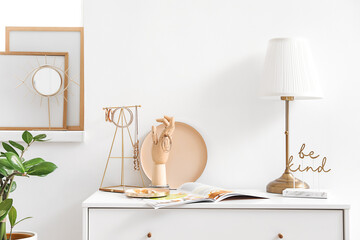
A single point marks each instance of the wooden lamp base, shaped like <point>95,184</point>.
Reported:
<point>285,181</point>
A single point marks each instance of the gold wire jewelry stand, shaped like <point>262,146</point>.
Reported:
<point>123,123</point>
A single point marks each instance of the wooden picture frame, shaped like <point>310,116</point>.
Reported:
<point>20,68</point>
<point>36,39</point>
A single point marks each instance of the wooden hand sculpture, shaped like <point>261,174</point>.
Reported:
<point>161,150</point>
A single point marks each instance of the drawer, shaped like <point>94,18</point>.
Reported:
<point>181,224</point>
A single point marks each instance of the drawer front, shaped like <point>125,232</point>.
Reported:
<point>181,224</point>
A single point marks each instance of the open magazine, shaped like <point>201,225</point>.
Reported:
<point>197,192</point>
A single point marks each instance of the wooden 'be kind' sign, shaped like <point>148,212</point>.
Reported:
<point>310,155</point>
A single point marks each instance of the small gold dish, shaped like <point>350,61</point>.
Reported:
<point>147,192</point>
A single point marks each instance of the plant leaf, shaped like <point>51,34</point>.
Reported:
<point>40,137</point>
<point>27,137</point>
<point>12,216</point>
<point>15,161</point>
<point>28,164</point>
<point>9,148</point>
<point>5,207</point>
<point>22,220</point>
<point>42,169</point>
<point>2,213</point>
<point>3,172</point>
<point>17,145</point>
<point>5,163</point>
<point>13,187</point>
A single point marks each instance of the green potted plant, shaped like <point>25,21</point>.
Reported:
<point>13,164</point>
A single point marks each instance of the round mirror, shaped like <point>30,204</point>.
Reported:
<point>47,81</point>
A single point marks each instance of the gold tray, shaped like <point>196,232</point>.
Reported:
<point>147,192</point>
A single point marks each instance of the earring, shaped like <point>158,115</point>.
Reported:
<point>109,115</point>
<point>106,115</point>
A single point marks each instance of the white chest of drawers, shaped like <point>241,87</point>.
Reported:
<point>113,216</point>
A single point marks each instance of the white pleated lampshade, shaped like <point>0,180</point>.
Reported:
<point>289,70</point>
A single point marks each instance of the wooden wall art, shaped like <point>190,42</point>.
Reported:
<point>57,39</point>
<point>33,90</point>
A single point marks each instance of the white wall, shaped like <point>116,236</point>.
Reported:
<point>44,13</point>
<point>201,60</point>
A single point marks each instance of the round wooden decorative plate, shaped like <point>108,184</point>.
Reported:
<point>187,159</point>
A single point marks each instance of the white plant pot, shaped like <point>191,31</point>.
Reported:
<point>26,235</point>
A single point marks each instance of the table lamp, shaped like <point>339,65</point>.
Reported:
<point>289,74</point>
